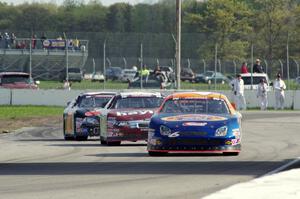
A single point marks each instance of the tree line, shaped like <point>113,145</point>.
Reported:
<point>234,25</point>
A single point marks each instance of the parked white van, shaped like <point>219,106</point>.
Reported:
<point>256,77</point>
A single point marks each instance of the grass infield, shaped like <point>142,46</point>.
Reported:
<point>17,112</point>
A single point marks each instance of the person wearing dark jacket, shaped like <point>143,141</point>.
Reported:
<point>258,68</point>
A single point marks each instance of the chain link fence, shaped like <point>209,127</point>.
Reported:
<point>126,50</point>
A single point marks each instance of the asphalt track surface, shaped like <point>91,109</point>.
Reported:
<point>36,163</point>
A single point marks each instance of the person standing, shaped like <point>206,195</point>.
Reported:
<point>262,94</point>
<point>238,91</point>
<point>244,68</point>
<point>258,68</point>
<point>279,87</point>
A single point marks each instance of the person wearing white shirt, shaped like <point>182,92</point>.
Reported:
<point>262,94</point>
<point>279,87</point>
<point>238,91</point>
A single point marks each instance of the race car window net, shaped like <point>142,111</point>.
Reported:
<point>137,102</point>
<point>93,101</point>
<point>208,106</point>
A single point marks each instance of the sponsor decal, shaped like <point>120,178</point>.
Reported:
<point>233,142</point>
<point>54,43</point>
<point>78,124</point>
<point>193,117</point>
<point>236,133</point>
<point>117,134</point>
<point>142,112</point>
<point>173,135</point>
<point>194,124</point>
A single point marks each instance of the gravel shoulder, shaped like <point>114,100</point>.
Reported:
<point>10,125</point>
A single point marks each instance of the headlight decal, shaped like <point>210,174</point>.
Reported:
<point>222,131</point>
<point>164,130</point>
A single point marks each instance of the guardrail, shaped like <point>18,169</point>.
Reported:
<point>58,97</point>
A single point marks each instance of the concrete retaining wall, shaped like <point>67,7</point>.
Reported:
<point>61,97</point>
<point>5,96</point>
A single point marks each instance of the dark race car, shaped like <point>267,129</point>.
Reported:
<point>127,116</point>
<point>81,117</point>
<point>195,122</point>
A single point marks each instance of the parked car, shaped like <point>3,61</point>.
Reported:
<point>113,73</point>
<point>81,116</point>
<point>151,82</point>
<point>128,75</point>
<point>17,80</point>
<point>195,122</point>
<point>256,77</point>
<point>126,117</point>
<point>187,74</point>
<point>98,76</point>
<point>210,76</point>
<point>74,74</point>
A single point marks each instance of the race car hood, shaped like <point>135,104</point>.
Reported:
<point>131,114</point>
<point>193,122</point>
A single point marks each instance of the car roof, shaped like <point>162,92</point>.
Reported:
<point>13,73</point>
<point>98,93</point>
<point>203,95</point>
<point>140,94</point>
<point>254,74</point>
<point>186,95</point>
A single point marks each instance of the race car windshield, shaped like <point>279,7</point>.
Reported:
<point>93,101</point>
<point>138,102</point>
<point>207,106</point>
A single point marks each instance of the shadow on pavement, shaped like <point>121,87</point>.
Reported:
<point>226,167</point>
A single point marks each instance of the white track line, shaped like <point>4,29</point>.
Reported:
<point>282,167</point>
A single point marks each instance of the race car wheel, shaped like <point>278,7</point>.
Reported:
<point>81,138</point>
<point>68,138</point>
<point>155,153</point>
<point>116,143</point>
<point>103,142</point>
<point>231,153</point>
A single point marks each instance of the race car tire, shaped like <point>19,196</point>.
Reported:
<point>155,153</point>
<point>81,138</point>
<point>67,138</point>
<point>103,142</point>
<point>116,143</point>
<point>231,153</point>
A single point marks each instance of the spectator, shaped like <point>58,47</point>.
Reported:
<point>67,85</point>
<point>13,40</point>
<point>7,40</point>
<point>1,38</point>
<point>76,44</point>
<point>33,41</point>
<point>262,94</point>
<point>244,68</point>
<point>238,91</point>
<point>279,87</point>
<point>258,68</point>
<point>43,38</point>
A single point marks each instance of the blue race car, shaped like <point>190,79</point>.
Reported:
<point>195,122</point>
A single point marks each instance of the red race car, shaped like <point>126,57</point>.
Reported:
<point>126,117</point>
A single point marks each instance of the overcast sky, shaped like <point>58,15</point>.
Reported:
<point>105,2</point>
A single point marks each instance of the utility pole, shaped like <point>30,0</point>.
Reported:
<point>178,41</point>
<point>104,63</point>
